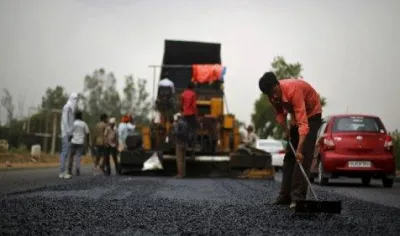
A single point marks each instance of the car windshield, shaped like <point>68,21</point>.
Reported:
<point>358,124</point>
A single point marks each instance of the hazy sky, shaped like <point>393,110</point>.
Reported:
<point>350,49</point>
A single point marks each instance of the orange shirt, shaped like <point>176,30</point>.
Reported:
<point>300,100</point>
<point>188,102</point>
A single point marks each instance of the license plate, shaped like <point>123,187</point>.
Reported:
<point>364,164</point>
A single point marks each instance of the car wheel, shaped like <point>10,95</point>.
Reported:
<point>321,180</point>
<point>387,183</point>
<point>366,181</point>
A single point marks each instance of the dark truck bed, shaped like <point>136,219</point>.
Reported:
<point>186,53</point>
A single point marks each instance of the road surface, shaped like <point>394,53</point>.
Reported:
<point>36,202</point>
<point>353,188</point>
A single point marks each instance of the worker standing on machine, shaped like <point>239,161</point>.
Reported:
<point>189,112</point>
<point>165,82</point>
<point>300,99</point>
<point>166,97</point>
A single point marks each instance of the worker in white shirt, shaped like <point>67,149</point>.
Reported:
<point>166,98</point>
<point>251,138</point>
<point>165,82</point>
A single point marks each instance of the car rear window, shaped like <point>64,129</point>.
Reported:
<point>358,124</point>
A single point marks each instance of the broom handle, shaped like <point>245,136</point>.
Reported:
<point>304,173</point>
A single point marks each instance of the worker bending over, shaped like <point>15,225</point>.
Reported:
<point>298,98</point>
<point>189,112</point>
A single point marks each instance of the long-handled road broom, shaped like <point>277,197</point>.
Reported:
<point>315,206</point>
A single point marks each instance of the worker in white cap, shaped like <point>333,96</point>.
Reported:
<point>111,135</point>
<point>180,136</point>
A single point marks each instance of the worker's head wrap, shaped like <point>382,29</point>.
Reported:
<point>267,83</point>
<point>125,119</point>
<point>72,101</point>
<point>177,116</point>
<point>112,120</point>
<point>130,118</point>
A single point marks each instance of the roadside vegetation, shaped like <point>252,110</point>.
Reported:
<point>100,95</point>
<point>396,143</point>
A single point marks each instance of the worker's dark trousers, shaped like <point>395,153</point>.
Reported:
<point>100,153</point>
<point>294,186</point>
<point>113,152</point>
<point>192,123</point>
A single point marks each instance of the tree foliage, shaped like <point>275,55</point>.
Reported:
<point>100,95</point>
<point>7,103</point>
<point>263,117</point>
<point>54,98</point>
<point>136,99</point>
<point>396,145</point>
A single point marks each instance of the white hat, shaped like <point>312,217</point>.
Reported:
<point>177,115</point>
<point>112,120</point>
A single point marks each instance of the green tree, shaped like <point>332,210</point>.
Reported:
<point>41,121</point>
<point>263,116</point>
<point>396,145</point>
<point>8,104</point>
<point>136,99</point>
<point>111,101</point>
<point>100,96</point>
<point>54,98</point>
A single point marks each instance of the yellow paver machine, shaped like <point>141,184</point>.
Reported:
<point>218,139</point>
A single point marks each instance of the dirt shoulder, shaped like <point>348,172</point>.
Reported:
<point>10,161</point>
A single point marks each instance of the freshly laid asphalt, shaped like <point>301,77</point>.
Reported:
<point>36,202</point>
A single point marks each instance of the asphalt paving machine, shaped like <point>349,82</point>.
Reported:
<point>217,135</point>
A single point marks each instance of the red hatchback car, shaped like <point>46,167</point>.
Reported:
<point>355,146</point>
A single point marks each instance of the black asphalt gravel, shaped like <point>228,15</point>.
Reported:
<point>128,205</point>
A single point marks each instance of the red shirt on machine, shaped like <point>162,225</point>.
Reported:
<point>188,101</point>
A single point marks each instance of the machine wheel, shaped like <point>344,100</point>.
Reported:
<point>366,181</point>
<point>321,180</point>
<point>387,183</point>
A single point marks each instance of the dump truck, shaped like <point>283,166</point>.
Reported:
<point>218,137</point>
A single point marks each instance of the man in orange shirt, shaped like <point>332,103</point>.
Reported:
<point>189,112</point>
<point>297,97</point>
